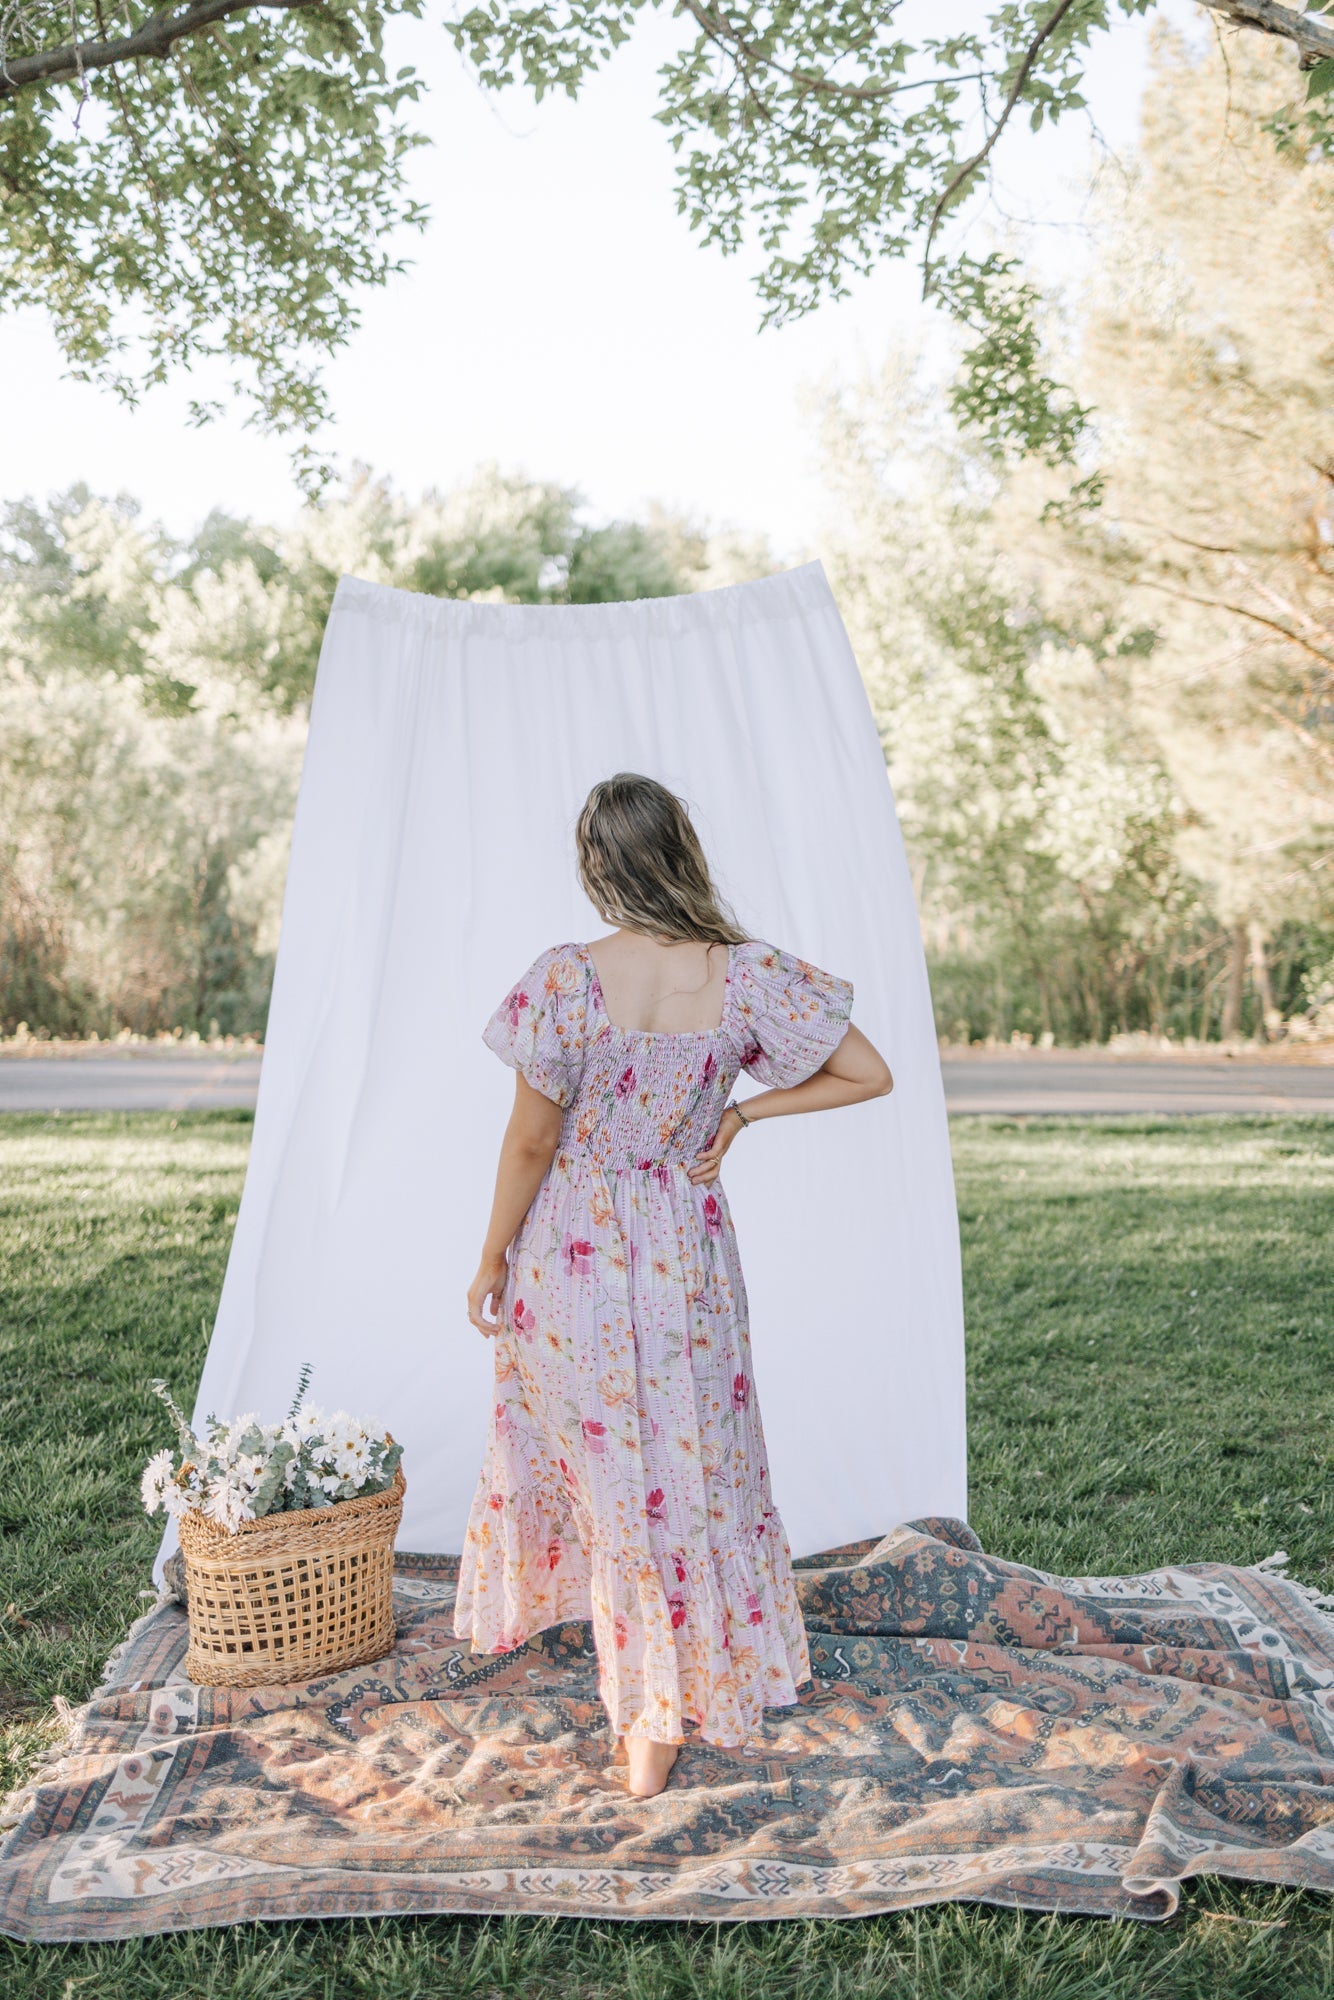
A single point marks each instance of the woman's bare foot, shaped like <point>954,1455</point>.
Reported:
<point>650,1765</point>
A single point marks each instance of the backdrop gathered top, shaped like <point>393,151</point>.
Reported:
<point>451,747</point>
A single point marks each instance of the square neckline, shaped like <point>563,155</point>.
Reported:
<point>659,1034</point>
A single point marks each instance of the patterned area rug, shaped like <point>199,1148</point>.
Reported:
<point>975,1730</point>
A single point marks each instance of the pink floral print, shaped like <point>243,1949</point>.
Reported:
<point>625,1478</point>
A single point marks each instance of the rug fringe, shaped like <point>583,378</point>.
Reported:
<point>48,1770</point>
<point>1277,1565</point>
<point>53,1764</point>
<point>107,1684</point>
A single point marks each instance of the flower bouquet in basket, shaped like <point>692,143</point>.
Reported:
<point>287,1531</point>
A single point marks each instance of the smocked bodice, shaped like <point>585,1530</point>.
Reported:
<point>646,1099</point>
<point>638,1100</point>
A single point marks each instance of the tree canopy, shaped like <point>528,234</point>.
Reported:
<point>223,192</point>
<point>224,177</point>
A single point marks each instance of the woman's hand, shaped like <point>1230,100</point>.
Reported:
<point>704,1167</point>
<point>488,1284</point>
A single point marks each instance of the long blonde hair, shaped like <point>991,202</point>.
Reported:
<point>641,863</point>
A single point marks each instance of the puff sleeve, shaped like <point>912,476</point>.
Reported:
<point>539,1026</point>
<point>794,1015</point>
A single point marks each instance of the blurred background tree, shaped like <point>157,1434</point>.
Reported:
<point>1111,726</point>
<point>1206,348</point>
<point>1040,818</point>
<point>153,703</point>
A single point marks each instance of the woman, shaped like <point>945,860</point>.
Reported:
<point>626,1478</point>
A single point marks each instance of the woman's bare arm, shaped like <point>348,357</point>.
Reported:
<point>526,1151</point>
<point>856,1070</point>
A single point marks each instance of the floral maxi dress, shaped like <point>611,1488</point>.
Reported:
<point>625,1478</point>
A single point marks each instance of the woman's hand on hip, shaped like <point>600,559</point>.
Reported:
<point>703,1169</point>
<point>488,1284</point>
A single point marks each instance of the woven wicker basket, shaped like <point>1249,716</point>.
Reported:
<point>291,1597</point>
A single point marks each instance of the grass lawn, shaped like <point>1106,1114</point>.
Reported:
<point>1151,1315</point>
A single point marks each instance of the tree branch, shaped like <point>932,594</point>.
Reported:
<point>979,158</point>
<point>1204,548</point>
<point>1312,34</point>
<point>718,29</point>
<point>1315,744</point>
<point>154,38</point>
<point>1237,611</point>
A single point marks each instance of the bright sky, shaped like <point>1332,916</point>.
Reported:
<point>559,318</point>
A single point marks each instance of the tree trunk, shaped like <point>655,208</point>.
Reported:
<point>1270,1018</point>
<point>1230,1026</point>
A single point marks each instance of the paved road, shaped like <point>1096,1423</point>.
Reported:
<point>1025,1082</point>
<point>137,1078</point>
<point>1036,1081</point>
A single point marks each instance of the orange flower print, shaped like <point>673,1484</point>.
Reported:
<point>601,1207</point>
<point>616,1385</point>
<point>563,975</point>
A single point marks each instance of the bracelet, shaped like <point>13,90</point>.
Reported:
<point>732,1105</point>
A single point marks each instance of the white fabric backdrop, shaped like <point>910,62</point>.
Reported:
<point>451,746</point>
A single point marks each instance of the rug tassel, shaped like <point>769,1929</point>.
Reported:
<point>52,1765</point>
<point>1277,1565</point>
<point>107,1684</point>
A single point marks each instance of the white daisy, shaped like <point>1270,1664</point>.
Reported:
<point>157,1476</point>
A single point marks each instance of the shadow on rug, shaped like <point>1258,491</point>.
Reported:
<point>974,1731</point>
